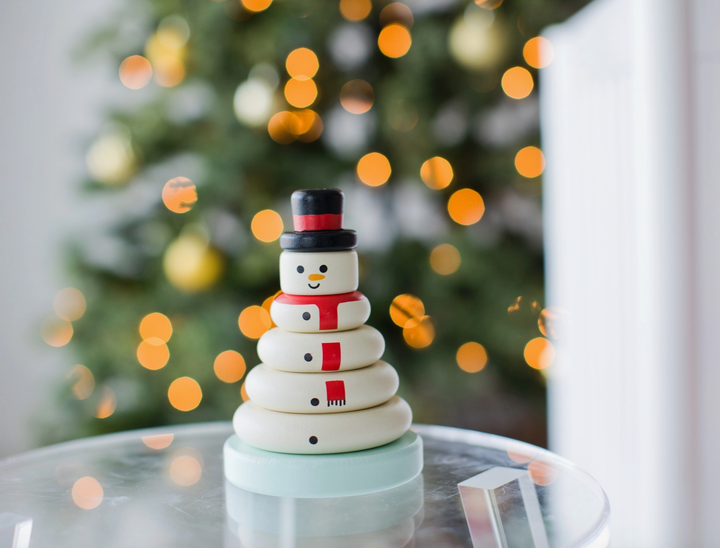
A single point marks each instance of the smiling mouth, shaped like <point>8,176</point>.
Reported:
<point>313,287</point>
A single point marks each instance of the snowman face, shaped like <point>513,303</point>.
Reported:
<point>327,273</point>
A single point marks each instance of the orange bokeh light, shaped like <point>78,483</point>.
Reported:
<point>471,357</point>
<point>445,259</point>
<point>254,321</point>
<point>310,125</point>
<point>156,326</point>
<point>539,353</point>
<point>69,304</point>
<point>419,332</point>
<point>542,473</point>
<point>256,5</point>
<point>397,12</point>
<point>179,195</point>
<point>107,404</point>
<point>302,62</point>
<point>466,207</point>
<point>135,72</point>
<point>436,173</point>
<point>357,96</point>
<point>530,162</point>
<point>267,303</point>
<point>83,381</point>
<point>169,70</point>
<point>243,393</point>
<point>185,470</point>
<point>158,441</point>
<point>551,322</point>
<point>56,332</point>
<point>355,10</point>
<point>184,394</point>
<point>87,493</point>
<point>538,52</point>
<point>406,307</point>
<point>517,82</point>
<point>153,354</point>
<point>374,169</point>
<point>284,127</point>
<point>301,92</point>
<point>229,366</point>
<point>267,225</point>
<point>394,40</point>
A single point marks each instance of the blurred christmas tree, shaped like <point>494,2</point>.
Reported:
<point>423,113</point>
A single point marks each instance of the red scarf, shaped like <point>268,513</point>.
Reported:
<point>327,304</point>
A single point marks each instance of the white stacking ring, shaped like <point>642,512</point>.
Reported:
<point>303,433</point>
<point>322,392</point>
<point>322,313</point>
<point>314,352</point>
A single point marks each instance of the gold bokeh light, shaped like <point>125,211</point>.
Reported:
<point>153,354</point>
<point>357,96</point>
<point>530,162</point>
<point>301,92</point>
<point>539,353</point>
<point>419,332</point>
<point>243,393</point>
<point>184,394</point>
<point>266,225</point>
<point>185,470</point>
<point>394,40</point>
<point>302,62</point>
<point>284,127</point>
<point>158,441</point>
<point>229,366</point>
<point>56,332</point>
<point>471,357</point>
<point>406,307</point>
<point>445,259</point>
<point>156,326</point>
<point>374,169</point>
<point>83,381</point>
<point>69,304</point>
<point>538,52</point>
<point>256,5</point>
<point>135,72</point>
<point>436,173</point>
<point>87,493</point>
<point>179,195</point>
<point>254,321</point>
<point>107,404</point>
<point>517,82</point>
<point>355,10</point>
<point>466,207</point>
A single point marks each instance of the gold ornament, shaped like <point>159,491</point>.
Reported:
<point>191,264</point>
<point>473,40</point>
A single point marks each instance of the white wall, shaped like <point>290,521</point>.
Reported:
<point>48,106</point>
<point>631,130</point>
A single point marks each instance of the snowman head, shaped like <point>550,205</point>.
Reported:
<point>319,256</point>
<point>318,273</point>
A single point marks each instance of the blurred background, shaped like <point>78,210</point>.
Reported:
<point>151,147</point>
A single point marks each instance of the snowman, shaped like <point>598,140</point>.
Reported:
<point>322,387</point>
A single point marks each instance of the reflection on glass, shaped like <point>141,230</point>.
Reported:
<point>385,519</point>
<point>502,510</point>
<point>15,530</point>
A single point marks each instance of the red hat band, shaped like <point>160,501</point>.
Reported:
<point>326,221</point>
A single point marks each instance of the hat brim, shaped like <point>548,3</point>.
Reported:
<point>319,240</point>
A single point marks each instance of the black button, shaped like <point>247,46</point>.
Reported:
<point>308,357</point>
<point>306,316</point>
<point>315,402</point>
<point>300,269</point>
<point>323,269</point>
<point>313,440</point>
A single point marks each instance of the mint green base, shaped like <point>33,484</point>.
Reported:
<point>319,476</point>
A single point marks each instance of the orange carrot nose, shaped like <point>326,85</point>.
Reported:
<point>316,277</point>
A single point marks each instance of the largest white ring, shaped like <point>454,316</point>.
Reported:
<point>336,392</point>
<point>313,352</point>
<point>303,433</point>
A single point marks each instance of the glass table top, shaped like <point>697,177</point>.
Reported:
<point>166,487</point>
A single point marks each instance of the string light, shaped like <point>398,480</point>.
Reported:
<point>156,326</point>
<point>135,72</point>
<point>179,195</point>
<point>406,307</point>
<point>394,40</point>
<point>471,357</point>
<point>517,82</point>
<point>355,10</point>
<point>419,332</point>
<point>538,52</point>
<point>69,304</point>
<point>87,493</point>
<point>184,394</point>
<point>256,5</point>
<point>436,173</point>
<point>254,321</point>
<point>373,169</point>
<point>267,225</point>
<point>302,63</point>
<point>551,322</point>
<point>284,127</point>
<point>229,366</point>
<point>158,441</point>
<point>357,96</point>
<point>83,381</point>
<point>243,393</point>
<point>301,92</point>
<point>185,470</point>
<point>396,12</point>
<point>107,404</point>
<point>466,207</point>
<point>153,354</point>
<point>56,332</point>
<point>445,259</point>
<point>530,162</point>
<point>539,353</point>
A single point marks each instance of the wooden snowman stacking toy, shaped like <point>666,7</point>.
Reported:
<point>322,388</point>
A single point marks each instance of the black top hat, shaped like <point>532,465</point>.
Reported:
<point>317,219</point>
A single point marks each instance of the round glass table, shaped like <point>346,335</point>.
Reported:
<point>166,487</point>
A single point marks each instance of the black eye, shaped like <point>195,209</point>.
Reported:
<point>300,269</point>
<point>323,269</point>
